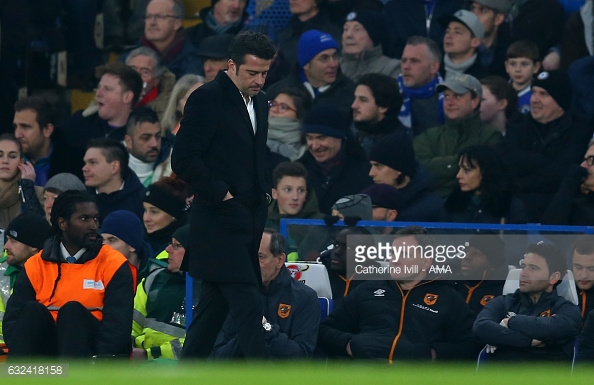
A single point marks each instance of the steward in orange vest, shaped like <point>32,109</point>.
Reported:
<point>75,297</point>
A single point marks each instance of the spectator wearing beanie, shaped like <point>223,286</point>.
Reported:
<point>540,149</point>
<point>483,271</point>
<point>164,212</point>
<point>386,201</point>
<point>123,231</point>
<point>318,72</point>
<point>362,46</point>
<point>393,163</point>
<point>334,167</point>
<point>23,238</point>
<point>160,298</point>
<point>56,185</point>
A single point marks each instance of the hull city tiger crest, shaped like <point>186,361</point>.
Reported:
<point>485,300</point>
<point>430,299</point>
<point>284,310</point>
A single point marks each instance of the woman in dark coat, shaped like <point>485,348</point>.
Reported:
<point>485,191</point>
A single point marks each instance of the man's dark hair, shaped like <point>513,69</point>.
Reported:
<point>385,91</point>
<point>501,89</point>
<point>65,205</point>
<point>250,43</point>
<point>294,169</point>
<point>431,45</point>
<point>584,244</point>
<point>523,48</point>
<point>140,115</point>
<point>420,234</point>
<point>130,80</point>
<point>278,243</point>
<point>553,256</point>
<point>112,150</point>
<point>46,113</point>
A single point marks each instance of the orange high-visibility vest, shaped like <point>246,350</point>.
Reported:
<point>84,283</point>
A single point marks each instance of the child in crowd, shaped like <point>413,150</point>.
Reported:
<point>523,62</point>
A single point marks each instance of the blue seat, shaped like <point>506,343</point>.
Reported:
<point>326,307</point>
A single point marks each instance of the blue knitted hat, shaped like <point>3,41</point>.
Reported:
<point>312,43</point>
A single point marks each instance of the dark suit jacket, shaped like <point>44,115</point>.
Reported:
<point>216,151</point>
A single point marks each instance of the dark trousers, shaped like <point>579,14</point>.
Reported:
<point>35,334</point>
<point>242,302</point>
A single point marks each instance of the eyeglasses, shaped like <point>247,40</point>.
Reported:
<point>589,160</point>
<point>159,17</point>
<point>176,246</point>
<point>282,107</point>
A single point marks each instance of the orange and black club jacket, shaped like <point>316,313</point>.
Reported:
<point>382,321</point>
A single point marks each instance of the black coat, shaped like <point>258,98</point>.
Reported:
<point>540,21</point>
<point>540,155</point>
<point>80,129</point>
<point>463,207</point>
<point>350,176</point>
<point>408,18</point>
<point>216,152</point>
<point>422,204</point>
<point>129,198</point>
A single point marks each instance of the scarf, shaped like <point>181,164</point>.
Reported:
<point>457,68</point>
<point>284,138</point>
<point>218,29</point>
<point>173,50</point>
<point>424,92</point>
<point>144,171</point>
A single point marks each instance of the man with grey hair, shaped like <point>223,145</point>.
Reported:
<point>438,148</point>
<point>157,80</point>
<point>164,33</point>
<point>422,106</point>
<point>291,311</point>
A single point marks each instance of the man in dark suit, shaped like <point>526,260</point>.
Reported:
<point>220,151</point>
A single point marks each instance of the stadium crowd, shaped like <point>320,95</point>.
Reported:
<point>397,111</point>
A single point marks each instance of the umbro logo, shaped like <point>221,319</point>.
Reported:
<point>379,293</point>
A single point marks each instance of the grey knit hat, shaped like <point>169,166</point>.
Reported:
<point>64,182</point>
